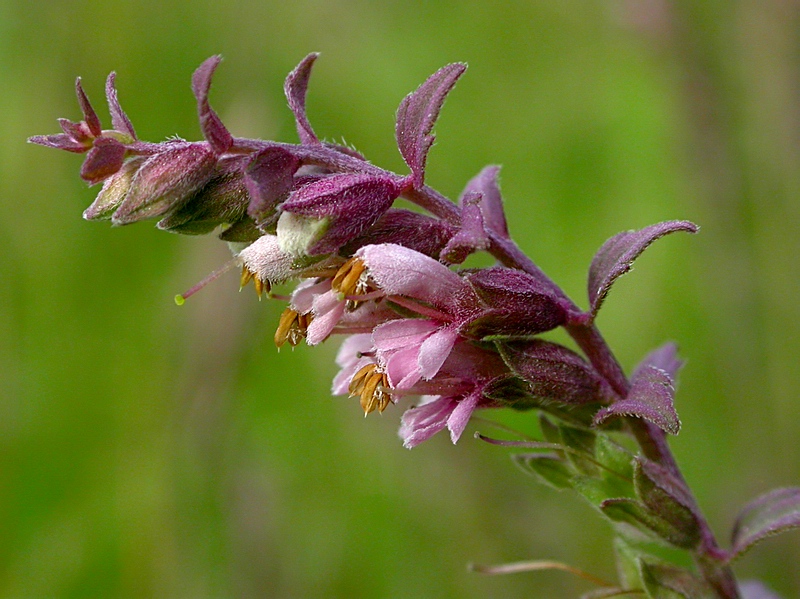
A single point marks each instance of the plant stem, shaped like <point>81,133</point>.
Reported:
<point>709,558</point>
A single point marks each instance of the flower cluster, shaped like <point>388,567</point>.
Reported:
<point>321,213</point>
<point>414,324</point>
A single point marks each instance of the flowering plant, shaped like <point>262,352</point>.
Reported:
<point>461,340</point>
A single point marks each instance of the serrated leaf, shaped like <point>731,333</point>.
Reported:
<point>769,514</point>
<point>651,397</point>
<point>617,255</point>
<point>418,113</point>
<point>295,88</point>
<point>549,468</point>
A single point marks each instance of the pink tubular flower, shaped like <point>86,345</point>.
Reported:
<point>434,414</point>
<point>411,349</point>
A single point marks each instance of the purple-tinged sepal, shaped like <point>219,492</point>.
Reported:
<point>554,373</point>
<point>472,236</point>
<point>616,257</point>
<point>76,137</point>
<point>485,183</point>
<point>217,135</point>
<point>223,200</point>
<point>418,113</point>
<point>115,189</point>
<point>103,160</point>
<point>90,118</point>
<point>652,392</point>
<point>165,181</point>
<point>769,514</point>
<point>413,230</point>
<point>520,305</point>
<point>345,205</point>
<point>269,177</point>
<point>295,88</point>
<point>667,497</point>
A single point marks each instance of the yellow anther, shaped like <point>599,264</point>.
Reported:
<point>292,327</point>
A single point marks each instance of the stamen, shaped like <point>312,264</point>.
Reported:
<point>181,298</point>
<point>292,327</point>
<point>372,387</point>
<point>261,285</point>
<point>357,382</point>
<point>352,281</point>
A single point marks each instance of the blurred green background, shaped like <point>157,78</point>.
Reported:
<point>148,450</point>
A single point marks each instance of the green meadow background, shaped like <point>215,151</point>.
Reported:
<point>148,450</point>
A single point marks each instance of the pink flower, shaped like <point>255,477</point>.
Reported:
<point>411,349</point>
<point>422,422</point>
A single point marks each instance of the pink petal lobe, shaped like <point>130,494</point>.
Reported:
<point>460,416</point>
<point>434,351</point>
<point>401,333</point>
<point>402,367</point>
<point>304,294</point>
<point>421,423</point>
<point>328,310</point>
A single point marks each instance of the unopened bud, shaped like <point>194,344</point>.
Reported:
<point>114,190</point>
<point>165,181</point>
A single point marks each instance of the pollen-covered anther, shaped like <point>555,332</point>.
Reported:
<point>351,279</point>
<point>262,285</point>
<point>372,387</point>
<point>292,327</point>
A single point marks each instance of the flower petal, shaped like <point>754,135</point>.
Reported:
<point>328,310</point>
<point>402,271</point>
<point>304,294</point>
<point>460,416</point>
<point>422,422</point>
<point>402,367</point>
<point>401,333</point>
<point>434,351</point>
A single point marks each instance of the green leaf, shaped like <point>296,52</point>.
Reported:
<point>627,559</point>
<point>582,441</point>
<point>662,581</point>
<point>667,500</point>
<point>549,468</point>
<point>635,514</point>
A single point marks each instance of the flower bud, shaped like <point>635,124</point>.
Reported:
<point>165,181</point>
<point>223,199</point>
<point>114,190</point>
